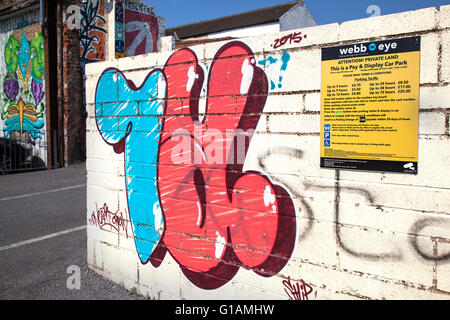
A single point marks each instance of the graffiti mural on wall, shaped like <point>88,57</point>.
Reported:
<point>92,31</point>
<point>141,29</point>
<point>136,134</point>
<point>23,102</point>
<point>187,192</point>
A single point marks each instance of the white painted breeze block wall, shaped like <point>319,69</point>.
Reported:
<point>356,235</point>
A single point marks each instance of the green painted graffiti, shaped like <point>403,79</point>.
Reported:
<point>37,57</point>
<point>23,87</point>
<point>12,54</point>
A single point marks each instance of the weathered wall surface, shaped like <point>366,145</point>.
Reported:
<point>177,222</point>
<point>75,53</point>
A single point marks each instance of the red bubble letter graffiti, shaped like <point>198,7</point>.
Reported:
<point>218,217</point>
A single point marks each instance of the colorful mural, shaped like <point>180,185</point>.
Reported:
<point>136,134</point>
<point>210,215</point>
<point>229,228</point>
<point>23,102</point>
<point>141,29</point>
<point>92,31</point>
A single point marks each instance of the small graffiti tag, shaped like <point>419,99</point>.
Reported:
<point>298,291</point>
<point>295,37</point>
<point>103,217</point>
<point>276,68</point>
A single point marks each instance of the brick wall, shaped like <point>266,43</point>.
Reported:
<point>74,113</point>
<point>256,229</point>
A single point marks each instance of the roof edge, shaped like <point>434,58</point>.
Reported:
<point>237,15</point>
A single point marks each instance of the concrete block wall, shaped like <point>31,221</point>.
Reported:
<point>287,229</point>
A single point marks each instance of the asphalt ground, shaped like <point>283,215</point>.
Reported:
<point>43,242</point>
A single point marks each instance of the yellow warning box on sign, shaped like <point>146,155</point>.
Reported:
<point>370,106</point>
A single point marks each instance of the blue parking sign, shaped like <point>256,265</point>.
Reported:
<point>327,135</point>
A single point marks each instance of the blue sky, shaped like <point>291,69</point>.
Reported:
<point>180,12</point>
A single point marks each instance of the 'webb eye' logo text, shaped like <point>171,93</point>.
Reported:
<point>383,47</point>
